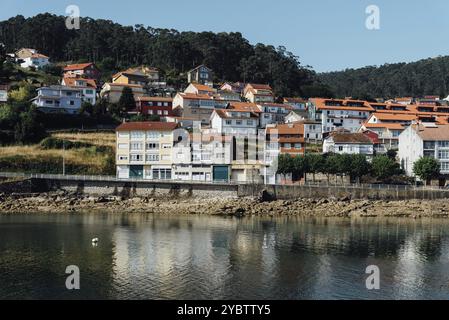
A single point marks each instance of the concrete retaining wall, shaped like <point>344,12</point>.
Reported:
<point>288,192</point>
<point>136,189</point>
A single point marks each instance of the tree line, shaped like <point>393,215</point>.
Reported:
<point>416,79</point>
<point>114,47</point>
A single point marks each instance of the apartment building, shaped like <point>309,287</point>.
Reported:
<point>424,140</point>
<point>388,133</point>
<point>339,114</point>
<point>144,150</point>
<point>58,99</point>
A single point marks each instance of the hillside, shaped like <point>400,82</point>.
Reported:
<point>114,47</point>
<point>424,77</point>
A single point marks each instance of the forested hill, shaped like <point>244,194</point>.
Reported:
<point>424,77</point>
<point>115,47</point>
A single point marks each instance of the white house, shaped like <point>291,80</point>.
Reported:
<point>4,93</point>
<point>58,99</point>
<point>348,143</point>
<point>88,87</point>
<point>36,60</point>
<point>424,140</point>
<point>258,93</point>
<point>234,122</point>
<point>272,113</point>
<point>197,88</point>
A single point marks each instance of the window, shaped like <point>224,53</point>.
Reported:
<point>165,112</point>
<point>137,135</point>
<point>152,145</point>
<point>89,91</point>
<point>123,135</point>
<point>444,166</point>
<point>166,146</point>
<point>153,134</point>
<point>72,103</point>
<point>297,146</point>
<point>165,104</point>
<point>443,144</point>
<point>228,122</point>
<point>122,158</point>
<point>136,146</point>
<point>340,148</point>
<point>123,146</point>
<point>443,154</point>
<point>249,122</point>
<point>48,101</point>
<point>287,145</point>
<point>162,174</point>
<point>136,157</point>
<point>152,157</point>
<point>159,104</point>
<point>238,122</point>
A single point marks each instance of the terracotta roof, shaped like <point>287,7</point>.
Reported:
<point>391,126</point>
<point>147,126</point>
<point>79,66</point>
<point>244,106</point>
<point>294,100</point>
<point>193,96</point>
<point>258,86</point>
<point>288,128</point>
<point>202,87</point>
<point>223,114</point>
<point>436,133</point>
<point>357,138</point>
<point>39,55</point>
<point>125,85</point>
<point>70,82</point>
<point>384,116</point>
<point>323,104</point>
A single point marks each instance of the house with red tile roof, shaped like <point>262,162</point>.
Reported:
<point>88,87</point>
<point>343,142</point>
<point>82,70</point>
<point>258,93</point>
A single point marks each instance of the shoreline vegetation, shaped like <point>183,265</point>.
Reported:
<point>64,202</point>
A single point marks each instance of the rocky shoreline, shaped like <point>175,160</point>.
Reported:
<point>63,202</point>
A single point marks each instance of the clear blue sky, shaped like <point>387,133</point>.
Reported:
<point>326,34</point>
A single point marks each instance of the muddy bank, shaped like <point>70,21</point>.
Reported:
<point>62,202</point>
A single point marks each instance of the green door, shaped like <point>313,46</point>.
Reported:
<point>136,172</point>
<point>221,173</point>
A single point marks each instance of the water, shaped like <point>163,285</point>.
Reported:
<point>199,257</point>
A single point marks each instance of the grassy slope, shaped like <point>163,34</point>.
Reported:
<point>78,161</point>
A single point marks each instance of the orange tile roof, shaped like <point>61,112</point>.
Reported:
<point>344,137</point>
<point>193,96</point>
<point>79,66</point>
<point>70,82</point>
<point>437,133</point>
<point>258,86</point>
<point>147,126</point>
<point>224,115</point>
<point>202,87</point>
<point>385,116</point>
<point>244,106</point>
<point>288,128</point>
<point>320,104</point>
<point>391,126</point>
<point>39,55</point>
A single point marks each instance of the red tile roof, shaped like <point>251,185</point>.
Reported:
<point>79,66</point>
<point>70,82</point>
<point>147,126</point>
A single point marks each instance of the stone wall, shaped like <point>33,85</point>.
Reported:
<point>289,192</point>
<point>137,189</point>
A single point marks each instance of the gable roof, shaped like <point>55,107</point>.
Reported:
<point>147,126</point>
<point>244,106</point>
<point>71,82</point>
<point>351,138</point>
<point>432,133</point>
<point>202,87</point>
<point>78,66</point>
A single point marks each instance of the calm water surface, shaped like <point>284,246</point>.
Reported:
<point>199,257</point>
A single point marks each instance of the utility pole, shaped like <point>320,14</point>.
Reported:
<point>63,157</point>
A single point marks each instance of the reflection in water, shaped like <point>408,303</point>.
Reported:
<point>198,257</point>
